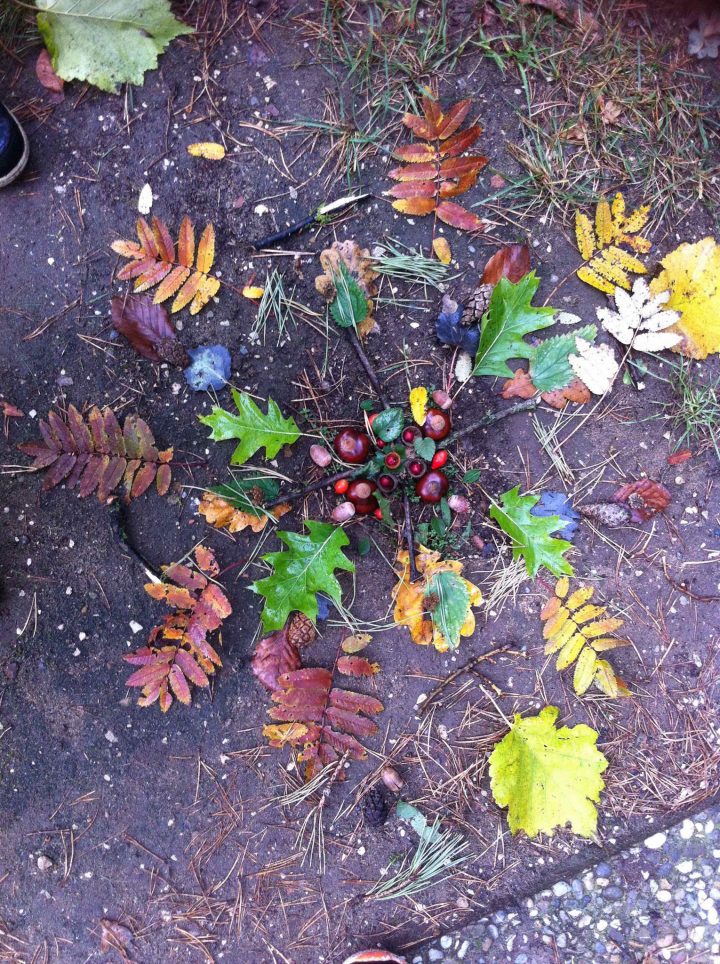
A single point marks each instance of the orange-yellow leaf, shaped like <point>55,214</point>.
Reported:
<point>146,238</point>
<point>206,249</point>
<point>461,142</point>
<point>209,287</point>
<point>163,240</point>
<point>442,250</point>
<point>153,276</point>
<point>550,608</point>
<point>171,284</point>
<point>413,172</point>
<point>459,217</point>
<point>253,292</point>
<point>281,733</point>
<point>412,189</point>
<point>414,153</point>
<point>207,149</point>
<point>188,291</point>
<point>415,206</point>
<point>570,651</point>
<point>419,126</point>
<point>602,626</point>
<point>452,119</point>
<point>186,243</point>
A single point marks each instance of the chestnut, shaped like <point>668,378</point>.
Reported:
<point>360,493</point>
<point>392,461</point>
<point>437,424</point>
<point>352,446</point>
<point>432,487</point>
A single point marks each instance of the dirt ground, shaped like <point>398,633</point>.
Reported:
<point>166,824</point>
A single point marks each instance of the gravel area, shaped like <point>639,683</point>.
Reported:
<point>655,902</point>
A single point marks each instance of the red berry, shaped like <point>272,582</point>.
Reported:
<point>379,442</point>
<point>437,424</point>
<point>439,459</point>
<point>393,460</point>
<point>341,486</point>
<point>386,483</point>
<point>360,493</point>
<point>432,487</point>
<point>416,467</point>
<point>378,513</point>
<point>410,434</point>
<point>352,446</point>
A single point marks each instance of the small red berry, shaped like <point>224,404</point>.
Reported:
<point>341,486</point>
<point>379,442</point>
<point>378,513</point>
<point>352,446</point>
<point>439,459</point>
<point>410,434</point>
<point>393,460</point>
<point>437,424</point>
<point>416,467</point>
<point>432,487</point>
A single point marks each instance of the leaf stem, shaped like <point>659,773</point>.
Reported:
<point>409,538</point>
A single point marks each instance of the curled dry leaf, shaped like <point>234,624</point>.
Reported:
<point>437,608</point>
<point>358,263</point>
<point>644,497</point>
<point>46,73</point>
<point>279,652</point>
<point>148,328</point>
<point>178,653</point>
<point>96,455</point>
<point>224,515</point>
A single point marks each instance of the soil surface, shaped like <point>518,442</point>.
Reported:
<point>167,826</point>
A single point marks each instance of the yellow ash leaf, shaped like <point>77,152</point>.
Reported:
<point>253,292</point>
<point>636,220</point>
<point>604,265</point>
<point>609,642</point>
<point>584,235</point>
<point>691,273</point>
<point>603,224</point>
<point>584,671</point>
<point>207,149</point>
<point>607,680</point>
<point>442,250</point>
<point>558,639</point>
<point>418,404</point>
<point>635,241</point>
<point>209,287</point>
<point>591,277</point>
<point>562,587</point>
<point>602,626</point>
<point>626,260</point>
<point>587,613</point>
<point>556,622</point>
<point>570,651</point>
<point>550,608</point>
<point>618,210</point>
<point>580,597</point>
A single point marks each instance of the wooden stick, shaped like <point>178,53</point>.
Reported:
<point>367,365</point>
<point>527,406</point>
<point>409,538</point>
<point>314,487</point>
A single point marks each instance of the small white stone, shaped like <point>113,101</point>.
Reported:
<point>560,889</point>
<point>687,829</point>
<point>110,737</point>
<point>664,896</point>
<point>44,863</point>
<point>656,841</point>
<point>145,199</point>
<point>135,627</point>
<point>446,941</point>
<point>684,867</point>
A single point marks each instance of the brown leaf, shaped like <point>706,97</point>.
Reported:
<point>458,166</point>
<point>610,112</point>
<point>576,392</point>
<point>114,937</point>
<point>519,386</point>
<point>143,323</point>
<point>46,73</point>
<point>452,120</point>
<point>511,262</point>
<point>275,655</point>
<point>357,666</point>
<point>458,217</point>
<point>579,18</point>
<point>461,142</point>
<point>645,498</point>
<point>413,172</point>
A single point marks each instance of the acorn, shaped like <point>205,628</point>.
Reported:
<point>432,487</point>
<point>352,446</point>
<point>392,461</point>
<point>387,483</point>
<point>360,493</point>
<point>437,424</point>
<point>343,512</point>
<point>417,468</point>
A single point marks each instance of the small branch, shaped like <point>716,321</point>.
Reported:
<point>527,406</point>
<point>367,365</point>
<point>409,538</point>
<point>314,487</point>
<point>286,233</point>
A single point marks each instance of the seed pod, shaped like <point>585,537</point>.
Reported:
<point>392,780</point>
<point>611,514</point>
<point>343,512</point>
<point>458,503</point>
<point>320,456</point>
<point>442,399</point>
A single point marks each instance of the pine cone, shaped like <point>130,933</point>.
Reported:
<point>172,351</point>
<point>477,305</point>
<point>611,514</point>
<point>301,631</point>
<point>376,806</point>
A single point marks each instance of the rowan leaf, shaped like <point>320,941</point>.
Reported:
<point>254,429</point>
<point>437,608</point>
<point>530,535</point>
<point>107,45</point>
<point>459,217</point>
<point>304,568</point>
<point>415,206</point>
<point>510,316</point>
<point>584,235</point>
<point>548,776</point>
<point>608,264</point>
<point>153,264</point>
<point>691,273</point>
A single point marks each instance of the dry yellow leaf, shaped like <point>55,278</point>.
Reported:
<point>253,292</point>
<point>223,515</point>
<point>591,277</point>
<point>608,268</point>
<point>604,224</point>
<point>584,235</point>
<point>608,262</point>
<point>442,250</point>
<point>278,734</point>
<point>208,150</point>
<point>418,404</point>
<point>691,273</point>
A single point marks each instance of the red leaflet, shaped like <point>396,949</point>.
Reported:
<point>511,262</point>
<point>458,217</point>
<point>357,666</point>
<point>644,497</point>
<point>279,653</point>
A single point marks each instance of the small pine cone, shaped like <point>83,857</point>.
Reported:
<point>476,305</point>
<point>172,351</point>
<point>611,514</point>
<point>301,631</point>
<point>376,806</point>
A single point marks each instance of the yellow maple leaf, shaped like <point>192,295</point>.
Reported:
<point>425,612</point>
<point>208,150</point>
<point>691,273</point>
<point>418,404</point>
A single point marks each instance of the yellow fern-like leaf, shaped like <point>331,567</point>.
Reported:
<point>562,586</point>
<point>637,219</point>
<point>606,679</point>
<point>587,613</point>
<point>626,260</point>
<point>603,224</point>
<point>558,640</point>
<point>570,652</point>
<point>591,277</point>
<point>609,642</point>
<point>585,236</point>
<point>602,626</point>
<point>556,622</point>
<point>609,269</point>
<point>618,210</point>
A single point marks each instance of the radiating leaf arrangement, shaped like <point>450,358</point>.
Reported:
<point>437,608</point>
<point>530,535</point>
<point>238,505</point>
<point>439,168</point>
<point>609,264</point>
<point>253,428</point>
<point>640,320</point>
<point>94,454</point>
<point>178,653</point>
<point>578,631</point>
<point>548,776</point>
<point>155,262</point>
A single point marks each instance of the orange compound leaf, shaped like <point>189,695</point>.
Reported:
<point>416,206</point>
<point>414,172</point>
<point>458,166</point>
<point>420,126</point>
<point>412,189</point>
<point>460,186</point>
<point>452,120</point>
<point>432,111</point>
<point>461,142</point>
<point>167,672</point>
<point>414,153</point>
<point>458,217</point>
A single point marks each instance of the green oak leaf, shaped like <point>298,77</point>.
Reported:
<point>254,429</point>
<point>509,317</point>
<point>303,569</point>
<point>531,535</point>
<point>451,608</point>
<point>549,366</point>
<point>106,42</point>
<point>548,776</point>
<point>350,305</point>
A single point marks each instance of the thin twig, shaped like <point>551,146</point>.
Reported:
<point>414,575</point>
<point>314,487</point>
<point>367,365</point>
<point>527,406</point>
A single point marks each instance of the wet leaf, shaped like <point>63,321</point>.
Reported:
<point>210,368</point>
<point>531,537</point>
<point>207,149</point>
<point>356,643</point>
<point>252,427</point>
<point>511,262</point>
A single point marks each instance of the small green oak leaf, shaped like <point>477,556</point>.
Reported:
<point>451,606</point>
<point>254,429</point>
<point>509,317</point>
<point>425,448</point>
<point>547,776</point>
<point>303,569</point>
<point>531,535</point>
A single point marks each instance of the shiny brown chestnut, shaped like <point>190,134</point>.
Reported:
<point>361,493</point>
<point>352,446</point>
<point>432,487</point>
<point>437,424</point>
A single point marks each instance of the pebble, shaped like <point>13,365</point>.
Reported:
<point>656,841</point>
